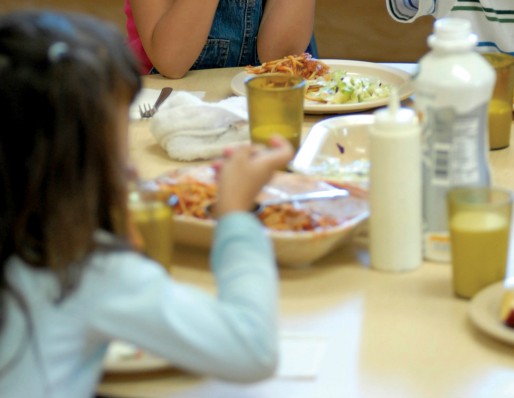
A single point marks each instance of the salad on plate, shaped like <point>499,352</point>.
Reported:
<point>340,87</point>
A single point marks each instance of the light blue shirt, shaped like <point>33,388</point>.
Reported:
<point>125,296</point>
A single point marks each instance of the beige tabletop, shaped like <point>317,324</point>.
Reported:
<point>398,335</point>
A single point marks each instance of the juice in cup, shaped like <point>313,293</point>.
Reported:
<point>500,106</point>
<point>262,134</point>
<point>479,223</point>
<point>479,250</point>
<point>500,121</point>
<point>153,220</point>
<point>275,107</point>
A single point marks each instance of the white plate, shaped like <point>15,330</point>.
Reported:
<point>386,74</point>
<point>484,312</point>
<point>336,149</point>
<point>123,357</point>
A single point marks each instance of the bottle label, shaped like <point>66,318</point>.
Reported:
<point>437,246</point>
<point>455,150</point>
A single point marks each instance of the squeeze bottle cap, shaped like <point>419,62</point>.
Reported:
<point>394,116</point>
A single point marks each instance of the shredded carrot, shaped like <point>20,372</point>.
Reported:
<point>286,217</point>
<point>194,197</point>
<point>299,65</point>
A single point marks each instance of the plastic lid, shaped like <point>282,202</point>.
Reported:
<point>452,34</point>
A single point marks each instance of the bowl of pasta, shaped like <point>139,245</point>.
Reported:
<point>301,232</point>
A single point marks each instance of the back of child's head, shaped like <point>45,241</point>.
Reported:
<point>66,81</point>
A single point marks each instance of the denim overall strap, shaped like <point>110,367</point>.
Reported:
<point>232,38</point>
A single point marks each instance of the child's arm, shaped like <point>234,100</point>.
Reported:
<point>232,336</point>
<point>173,32</point>
<point>286,28</point>
<point>243,172</point>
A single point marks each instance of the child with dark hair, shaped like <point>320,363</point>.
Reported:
<point>70,281</point>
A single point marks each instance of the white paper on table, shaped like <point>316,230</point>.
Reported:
<point>300,355</point>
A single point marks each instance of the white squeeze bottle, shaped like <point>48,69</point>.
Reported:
<point>452,90</point>
<point>395,226</point>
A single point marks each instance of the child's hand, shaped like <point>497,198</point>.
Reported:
<point>244,170</point>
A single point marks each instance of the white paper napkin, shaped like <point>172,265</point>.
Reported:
<point>189,128</point>
<point>149,96</point>
<point>300,355</point>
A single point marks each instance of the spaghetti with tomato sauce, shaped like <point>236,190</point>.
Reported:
<point>298,65</point>
<point>193,198</point>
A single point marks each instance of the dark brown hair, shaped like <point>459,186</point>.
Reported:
<point>63,80</point>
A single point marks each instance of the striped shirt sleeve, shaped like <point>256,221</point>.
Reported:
<point>410,10</point>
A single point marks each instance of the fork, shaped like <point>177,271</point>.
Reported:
<point>146,111</point>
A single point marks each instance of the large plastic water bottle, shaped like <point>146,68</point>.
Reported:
<point>453,87</point>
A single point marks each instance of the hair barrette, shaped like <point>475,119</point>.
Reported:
<point>58,51</point>
<point>4,61</point>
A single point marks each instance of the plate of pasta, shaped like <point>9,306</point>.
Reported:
<point>335,86</point>
<point>302,232</point>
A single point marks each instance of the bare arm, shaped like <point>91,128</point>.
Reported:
<point>286,28</point>
<point>173,32</point>
<point>244,170</point>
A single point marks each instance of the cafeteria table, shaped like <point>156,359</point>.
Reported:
<point>367,333</point>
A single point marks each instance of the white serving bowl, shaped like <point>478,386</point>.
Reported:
<point>292,248</point>
<point>336,149</point>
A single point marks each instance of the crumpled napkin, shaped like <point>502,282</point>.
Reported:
<point>189,128</point>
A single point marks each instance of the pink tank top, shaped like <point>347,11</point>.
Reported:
<point>134,40</point>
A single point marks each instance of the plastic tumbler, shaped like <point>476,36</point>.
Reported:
<point>152,218</point>
<point>479,223</point>
<point>275,107</point>
<point>500,106</point>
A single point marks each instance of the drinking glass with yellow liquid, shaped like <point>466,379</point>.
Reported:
<point>275,107</point>
<point>500,106</point>
<point>153,219</point>
<point>479,223</point>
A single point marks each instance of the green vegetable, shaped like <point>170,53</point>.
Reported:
<point>340,88</point>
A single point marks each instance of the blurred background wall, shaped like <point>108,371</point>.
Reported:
<point>109,10</point>
<point>363,30</point>
<point>345,29</point>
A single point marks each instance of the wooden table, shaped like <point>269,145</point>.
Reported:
<point>398,335</point>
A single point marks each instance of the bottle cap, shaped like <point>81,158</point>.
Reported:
<point>394,116</point>
<point>452,34</point>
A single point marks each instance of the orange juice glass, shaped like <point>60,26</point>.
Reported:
<point>479,223</point>
<point>500,106</point>
<point>152,218</point>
